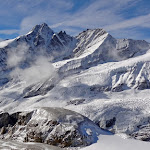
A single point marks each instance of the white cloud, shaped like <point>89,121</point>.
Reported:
<point>40,70</point>
<point>16,55</point>
<point>36,69</point>
<point>142,21</point>
<point>148,40</point>
<point>57,25</point>
<point>96,15</point>
<point>9,32</point>
<point>53,13</point>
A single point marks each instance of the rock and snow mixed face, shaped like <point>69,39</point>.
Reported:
<point>89,48</point>
<point>54,126</point>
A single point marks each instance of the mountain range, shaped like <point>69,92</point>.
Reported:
<point>101,77</point>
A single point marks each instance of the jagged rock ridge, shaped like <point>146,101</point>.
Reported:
<point>89,48</point>
<point>54,126</point>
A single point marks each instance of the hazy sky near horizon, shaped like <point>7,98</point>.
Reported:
<point>121,18</point>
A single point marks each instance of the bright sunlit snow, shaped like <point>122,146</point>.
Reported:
<point>115,142</point>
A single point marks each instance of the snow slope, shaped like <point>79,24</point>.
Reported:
<point>105,142</point>
<point>5,43</point>
<point>84,93</point>
<point>117,143</point>
<point>9,145</point>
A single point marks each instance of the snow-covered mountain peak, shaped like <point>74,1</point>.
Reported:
<point>40,34</point>
<point>90,48</point>
<point>91,35</point>
<point>89,38</point>
<point>42,28</point>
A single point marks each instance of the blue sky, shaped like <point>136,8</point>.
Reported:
<point>121,18</point>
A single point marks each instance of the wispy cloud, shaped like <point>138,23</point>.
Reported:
<point>9,32</point>
<point>16,55</point>
<point>54,12</point>
<point>40,70</point>
<point>26,69</point>
<point>143,21</point>
<point>96,14</point>
<point>111,15</point>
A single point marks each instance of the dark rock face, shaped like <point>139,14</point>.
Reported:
<point>111,122</point>
<point>118,88</point>
<point>53,126</point>
<point>35,89</point>
<point>6,119</point>
<point>29,92</point>
<point>142,133</point>
<point>98,88</point>
<point>143,85</point>
<point>76,102</point>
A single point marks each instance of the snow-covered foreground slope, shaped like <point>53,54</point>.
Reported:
<point>12,145</point>
<point>105,142</point>
<point>117,143</point>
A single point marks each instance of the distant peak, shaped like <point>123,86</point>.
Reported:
<point>36,28</point>
<point>41,27</point>
<point>62,33</point>
<point>44,24</point>
<point>41,32</point>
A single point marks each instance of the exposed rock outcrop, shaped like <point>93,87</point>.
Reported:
<point>53,126</point>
